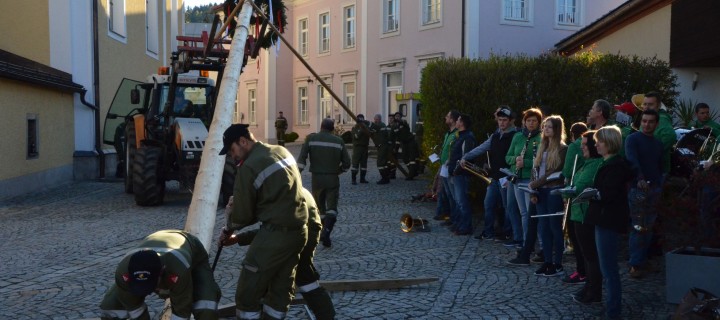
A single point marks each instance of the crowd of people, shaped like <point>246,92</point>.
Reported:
<point>595,184</point>
<point>602,181</point>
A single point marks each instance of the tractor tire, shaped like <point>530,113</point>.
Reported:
<point>148,182</point>
<point>228,181</point>
<point>130,148</point>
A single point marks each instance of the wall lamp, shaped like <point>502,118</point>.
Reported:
<point>309,80</point>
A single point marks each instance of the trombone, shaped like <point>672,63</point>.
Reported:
<point>475,170</point>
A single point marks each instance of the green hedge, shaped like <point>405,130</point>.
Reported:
<point>558,85</point>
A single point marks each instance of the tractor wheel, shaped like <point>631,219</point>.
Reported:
<point>148,183</point>
<point>228,181</point>
<point>130,147</point>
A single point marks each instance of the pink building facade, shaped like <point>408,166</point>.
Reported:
<point>368,51</point>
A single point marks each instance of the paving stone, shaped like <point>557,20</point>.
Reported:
<point>60,248</point>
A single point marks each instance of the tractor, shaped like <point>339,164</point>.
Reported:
<point>159,126</point>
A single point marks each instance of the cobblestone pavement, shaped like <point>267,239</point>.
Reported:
<point>59,248</point>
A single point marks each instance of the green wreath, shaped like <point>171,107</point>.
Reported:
<point>279,17</point>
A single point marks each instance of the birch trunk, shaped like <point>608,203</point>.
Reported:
<point>201,215</point>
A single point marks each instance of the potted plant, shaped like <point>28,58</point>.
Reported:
<point>691,219</point>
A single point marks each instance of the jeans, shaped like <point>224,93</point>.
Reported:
<point>585,234</point>
<point>464,210</point>
<point>523,202</point>
<point>493,196</point>
<point>550,228</point>
<point>643,212</point>
<point>513,213</point>
<point>448,189</point>
<point>531,236</point>
<point>606,242</point>
<point>443,206</point>
<point>708,212</point>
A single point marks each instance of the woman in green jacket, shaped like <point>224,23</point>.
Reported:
<point>586,252</point>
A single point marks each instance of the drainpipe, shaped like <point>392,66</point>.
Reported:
<point>462,31</point>
<point>96,89</point>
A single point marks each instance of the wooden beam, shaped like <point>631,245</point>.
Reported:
<point>228,310</point>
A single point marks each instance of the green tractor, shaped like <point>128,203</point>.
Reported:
<point>159,127</point>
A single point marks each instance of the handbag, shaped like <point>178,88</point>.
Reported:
<point>698,304</point>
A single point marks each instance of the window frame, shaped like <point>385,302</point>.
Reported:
<point>425,9</point>
<point>152,27</point>
<point>385,21</point>
<point>323,39</point>
<point>349,23</point>
<point>350,103</point>
<point>252,106</point>
<point>529,6</point>
<point>579,16</point>
<point>302,105</point>
<point>112,14</point>
<point>303,34</point>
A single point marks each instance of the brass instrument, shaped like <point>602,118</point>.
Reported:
<point>514,178</point>
<point>409,224</point>
<point>475,170</point>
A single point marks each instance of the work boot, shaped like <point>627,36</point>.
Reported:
<point>412,172</point>
<point>354,177</point>
<point>319,301</point>
<point>384,177</point>
<point>362,176</point>
<point>328,223</point>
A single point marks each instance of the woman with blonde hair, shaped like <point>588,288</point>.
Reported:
<point>609,212</point>
<point>547,166</point>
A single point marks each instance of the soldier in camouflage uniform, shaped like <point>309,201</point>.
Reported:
<point>268,189</point>
<point>405,139</point>
<point>360,142</point>
<point>173,264</point>
<point>281,126</point>
<point>381,138</point>
<point>328,159</point>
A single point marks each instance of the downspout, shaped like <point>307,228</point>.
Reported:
<point>96,89</point>
<point>462,31</point>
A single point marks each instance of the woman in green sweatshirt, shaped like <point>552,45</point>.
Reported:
<point>586,254</point>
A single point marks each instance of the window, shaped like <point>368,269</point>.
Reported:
<point>324,21</point>
<point>303,36</point>
<point>431,11</point>
<point>325,103</point>
<point>32,137</point>
<point>151,27</point>
<point>116,19</point>
<point>251,106</point>
<point>391,19</point>
<point>349,27</point>
<point>516,10</point>
<point>349,97</point>
<point>303,105</point>
<point>567,12</point>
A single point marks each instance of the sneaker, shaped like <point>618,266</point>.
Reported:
<point>635,273</point>
<point>538,259</point>
<point>502,238</point>
<point>543,269</point>
<point>584,299</point>
<point>554,270</point>
<point>574,278</point>
<point>511,243</point>
<point>483,236</point>
<point>519,262</point>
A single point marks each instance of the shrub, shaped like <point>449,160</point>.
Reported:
<point>557,84</point>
